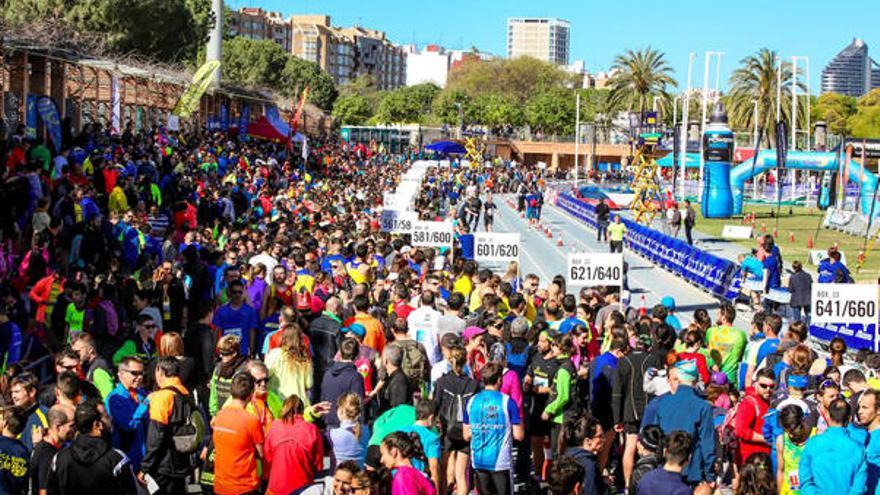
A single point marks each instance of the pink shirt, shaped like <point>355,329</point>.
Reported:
<point>511,386</point>
<point>410,481</point>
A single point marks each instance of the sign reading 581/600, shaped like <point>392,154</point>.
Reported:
<point>593,269</point>
<point>432,234</point>
<point>496,246</point>
<point>844,303</point>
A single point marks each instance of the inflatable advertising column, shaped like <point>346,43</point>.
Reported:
<point>717,200</point>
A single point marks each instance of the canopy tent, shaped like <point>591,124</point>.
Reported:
<point>263,129</point>
<point>692,160</point>
<point>448,147</point>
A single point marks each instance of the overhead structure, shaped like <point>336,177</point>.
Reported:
<point>474,151</point>
<point>646,186</point>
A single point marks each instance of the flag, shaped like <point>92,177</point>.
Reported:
<point>48,111</point>
<point>299,108</point>
<point>189,100</point>
<point>115,105</point>
<point>305,150</point>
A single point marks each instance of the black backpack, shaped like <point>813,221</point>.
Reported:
<point>188,423</point>
<point>453,402</point>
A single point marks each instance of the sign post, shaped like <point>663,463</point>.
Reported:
<point>595,269</point>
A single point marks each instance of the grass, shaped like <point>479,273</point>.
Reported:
<point>802,222</point>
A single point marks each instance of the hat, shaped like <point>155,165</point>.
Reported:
<point>449,340</point>
<point>719,378</point>
<point>355,328</point>
<point>405,249</point>
<point>669,302</point>
<point>797,381</point>
<point>471,332</point>
<point>687,369</point>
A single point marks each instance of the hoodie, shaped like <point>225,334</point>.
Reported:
<point>90,465</point>
<point>342,377</point>
<point>593,483</point>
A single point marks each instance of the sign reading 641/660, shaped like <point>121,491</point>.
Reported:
<point>496,246</point>
<point>844,303</point>
<point>593,269</point>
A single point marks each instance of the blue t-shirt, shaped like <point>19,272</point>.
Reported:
<point>491,416</point>
<point>767,348</point>
<point>662,481</point>
<point>569,323</point>
<point>430,444</point>
<point>771,265</point>
<point>873,457</point>
<point>238,322</point>
<point>14,468</point>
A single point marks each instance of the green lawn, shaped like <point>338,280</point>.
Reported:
<point>802,222</point>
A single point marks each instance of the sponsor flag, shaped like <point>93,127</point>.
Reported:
<point>49,113</point>
<point>189,100</point>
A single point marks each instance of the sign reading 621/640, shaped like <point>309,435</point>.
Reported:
<point>593,269</point>
<point>496,246</point>
<point>844,303</point>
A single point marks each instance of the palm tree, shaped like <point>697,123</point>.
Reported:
<point>638,77</point>
<point>756,80</point>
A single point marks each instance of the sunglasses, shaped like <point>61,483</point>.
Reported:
<point>226,354</point>
<point>134,373</point>
<point>261,381</point>
<point>764,385</point>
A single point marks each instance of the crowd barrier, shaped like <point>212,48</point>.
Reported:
<point>717,276</point>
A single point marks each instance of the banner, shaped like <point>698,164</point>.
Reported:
<point>115,106</point>
<point>30,116</point>
<point>189,100</point>
<point>299,108</point>
<point>224,117</point>
<point>243,121</point>
<point>275,120</point>
<point>48,111</point>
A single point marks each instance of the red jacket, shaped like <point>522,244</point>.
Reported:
<point>295,453</point>
<point>749,422</point>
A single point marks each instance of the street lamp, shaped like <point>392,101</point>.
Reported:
<point>755,131</point>
<point>460,118</point>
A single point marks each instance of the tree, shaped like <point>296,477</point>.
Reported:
<point>836,110</point>
<point>445,107</point>
<point>163,30</point>
<point>352,109</point>
<point>299,73</point>
<point>498,111</point>
<point>254,63</point>
<point>411,104</point>
<point>552,111</point>
<point>519,78</point>
<point>866,121</point>
<point>756,79</point>
<point>639,76</point>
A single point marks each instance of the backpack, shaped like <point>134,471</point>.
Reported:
<point>111,319</point>
<point>415,363</point>
<point>727,430</point>
<point>187,422</point>
<point>517,361</point>
<point>453,404</point>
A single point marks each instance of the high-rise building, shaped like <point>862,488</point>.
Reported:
<point>851,72</point>
<point>429,65</point>
<point>542,38</point>
<point>346,53</point>
<point>258,24</point>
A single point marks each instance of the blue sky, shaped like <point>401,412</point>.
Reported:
<point>602,29</point>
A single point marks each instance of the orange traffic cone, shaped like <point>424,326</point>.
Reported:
<point>559,241</point>
<point>763,228</point>
<point>775,233</point>
<point>791,237</point>
<point>861,258</point>
<point>810,242</point>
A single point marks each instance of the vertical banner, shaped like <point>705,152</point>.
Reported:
<point>224,117</point>
<point>30,116</point>
<point>305,150</point>
<point>48,111</point>
<point>299,108</point>
<point>243,121</point>
<point>115,105</point>
<point>189,100</point>
<point>845,175</point>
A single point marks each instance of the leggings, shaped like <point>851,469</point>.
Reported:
<point>493,482</point>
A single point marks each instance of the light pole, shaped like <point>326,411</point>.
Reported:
<point>755,131</point>
<point>685,109</point>
<point>577,136</point>
<point>460,118</point>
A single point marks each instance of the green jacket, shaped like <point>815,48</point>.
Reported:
<point>561,392</point>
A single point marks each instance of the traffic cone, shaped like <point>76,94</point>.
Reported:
<point>791,236</point>
<point>559,241</point>
<point>643,310</point>
<point>763,228</point>
<point>775,233</point>
<point>861,258</point>
<point>549,234</point>
<point>810,242</point>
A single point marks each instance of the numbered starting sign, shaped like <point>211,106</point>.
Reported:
<point>432,234</point>
<point>397,221</point>
<point>594,269</point>
<point>494,246</point>
<point>844,303</point>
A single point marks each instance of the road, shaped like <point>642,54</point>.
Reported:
<point>648,284</point>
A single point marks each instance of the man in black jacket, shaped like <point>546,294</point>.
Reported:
<point>90,465</point>
<point>342,377</point>
<point>324,335</point>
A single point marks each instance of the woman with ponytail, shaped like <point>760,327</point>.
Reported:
<point>350,438</point>
<point>398,450</point>
<point>294,447</point>
<point>584,439</point>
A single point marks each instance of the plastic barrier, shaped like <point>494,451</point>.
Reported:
<point>703,269</point>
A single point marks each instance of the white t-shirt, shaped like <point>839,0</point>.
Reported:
<point>423,328</point>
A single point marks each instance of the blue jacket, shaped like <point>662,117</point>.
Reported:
<point>833,463</point>
<point>685,410</point>
<point>130,418</point>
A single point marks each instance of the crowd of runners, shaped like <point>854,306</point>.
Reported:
<point>188,312</point>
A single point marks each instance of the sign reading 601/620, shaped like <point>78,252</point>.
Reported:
<point>844,303</point>
<point>593,269</point>
<point>496,246</point>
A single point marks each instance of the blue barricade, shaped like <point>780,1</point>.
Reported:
<point>703,269</point>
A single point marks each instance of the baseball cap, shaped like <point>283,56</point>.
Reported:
<point>471,332</point>
<point>355,328</point>
<point>668,302</point>
<point>688,369</point>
